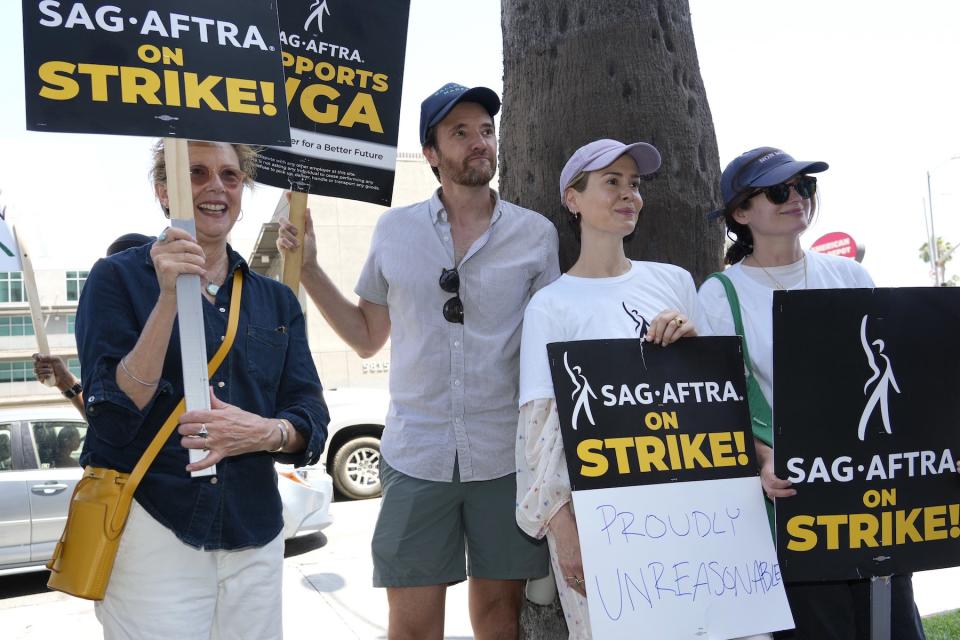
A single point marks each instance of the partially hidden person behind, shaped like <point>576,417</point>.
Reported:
<point>47,365</point>
<point>603,295</point>
<point>769,200</point>
<point>199,557</point>
<point>68,441</point>
<point>447,280</point>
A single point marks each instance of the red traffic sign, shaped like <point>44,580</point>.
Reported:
<point>836,243</point>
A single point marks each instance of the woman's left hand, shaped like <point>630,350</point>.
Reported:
<point>669,326</point>
<point>230,431</point>
<point>563,525</point>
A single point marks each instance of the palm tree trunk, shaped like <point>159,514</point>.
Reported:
<point>623,69</point>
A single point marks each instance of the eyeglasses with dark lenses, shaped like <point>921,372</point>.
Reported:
<point>452,308</point>
<point>805,187</point>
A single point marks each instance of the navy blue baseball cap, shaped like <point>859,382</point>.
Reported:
<point>436,107</point>
<point>758,168</point>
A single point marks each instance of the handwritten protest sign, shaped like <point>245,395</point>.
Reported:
<point>673,530</point>
<point>201,69</point>
<point>866,416</point>
<point>344,72</point>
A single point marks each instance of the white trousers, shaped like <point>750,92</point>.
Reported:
<point>163,589</point>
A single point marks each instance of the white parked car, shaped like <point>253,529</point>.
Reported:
<point>39,451</point>
<point>352,453</point>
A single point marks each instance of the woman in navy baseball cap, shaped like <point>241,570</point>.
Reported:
<point>769,200</point>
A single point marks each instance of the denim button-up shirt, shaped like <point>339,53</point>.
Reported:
<point>269,371</point>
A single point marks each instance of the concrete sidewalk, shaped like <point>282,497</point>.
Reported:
<point>326,590</point>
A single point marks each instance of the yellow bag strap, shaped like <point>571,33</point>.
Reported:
<point>158,440</point>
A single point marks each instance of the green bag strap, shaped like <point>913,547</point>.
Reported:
<point>761,416</point>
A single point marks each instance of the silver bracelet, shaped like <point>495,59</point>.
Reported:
<point>283,437</point>
<point>123,365</point>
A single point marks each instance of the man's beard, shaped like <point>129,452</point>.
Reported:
<point>467,175</point>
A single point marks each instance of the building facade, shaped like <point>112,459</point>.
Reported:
<point>343,229</point>
<point>59,293</point>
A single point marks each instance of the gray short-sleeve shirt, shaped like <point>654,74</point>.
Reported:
<point>453,387</point>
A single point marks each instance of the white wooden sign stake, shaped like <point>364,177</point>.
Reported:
<point>193,344</point>
<point>33,297</point>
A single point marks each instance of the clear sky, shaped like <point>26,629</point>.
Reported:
<point>870,87</point>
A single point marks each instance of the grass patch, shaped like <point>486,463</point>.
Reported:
<point>943,626</point>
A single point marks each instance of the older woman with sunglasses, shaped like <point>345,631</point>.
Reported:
<point>603,295</point>
<point>769,201</point>
<point>200,557</point>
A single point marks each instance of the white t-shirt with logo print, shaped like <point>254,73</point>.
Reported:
<point>574,308</point>
<point>755,289</point>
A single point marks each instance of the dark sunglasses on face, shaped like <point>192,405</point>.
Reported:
<point>452,308</point>
<point>805,187</point>
<point>229,178</point>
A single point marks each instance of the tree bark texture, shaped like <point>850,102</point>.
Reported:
<point>575,71</point>
<point>542,623</point>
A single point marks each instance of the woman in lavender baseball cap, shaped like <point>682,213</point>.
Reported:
<point>603,295</point>
<point>769,200</point>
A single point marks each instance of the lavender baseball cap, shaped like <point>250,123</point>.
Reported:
<point>758,168</point>
<point>602,153</point>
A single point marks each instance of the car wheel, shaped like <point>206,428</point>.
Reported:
<point>356,468</point>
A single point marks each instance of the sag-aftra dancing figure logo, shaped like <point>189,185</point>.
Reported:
<point>881,381</point>
<point>318,10</point>
<point>581,393</point>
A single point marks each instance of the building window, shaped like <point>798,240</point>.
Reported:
<point>16,326</point>
<point>11,287</point>
<point>73,364</point>
<point>16,371</point>
<point>71,323</point>
<point>75,280</point>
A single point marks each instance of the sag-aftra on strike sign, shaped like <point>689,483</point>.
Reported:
<point>202,69</point>
<point>867,427</point>
<point>670,515</point>
<point>344,74</point>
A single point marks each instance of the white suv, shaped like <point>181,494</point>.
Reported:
<point>352,453</point>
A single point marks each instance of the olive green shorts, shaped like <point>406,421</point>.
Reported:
<point>431,533</point>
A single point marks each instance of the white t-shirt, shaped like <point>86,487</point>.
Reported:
<point>755,289</point>
<point>573,308</point>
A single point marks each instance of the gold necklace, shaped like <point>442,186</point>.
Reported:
<point>776,282</point>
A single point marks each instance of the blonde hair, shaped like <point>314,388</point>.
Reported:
<point>246,156</point>
<point>579,182</point>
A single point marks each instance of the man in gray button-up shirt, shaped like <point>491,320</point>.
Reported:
<point>448,280</point>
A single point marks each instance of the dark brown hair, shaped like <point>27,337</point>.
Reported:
<point>430,140</point>
<point>740,234</point>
